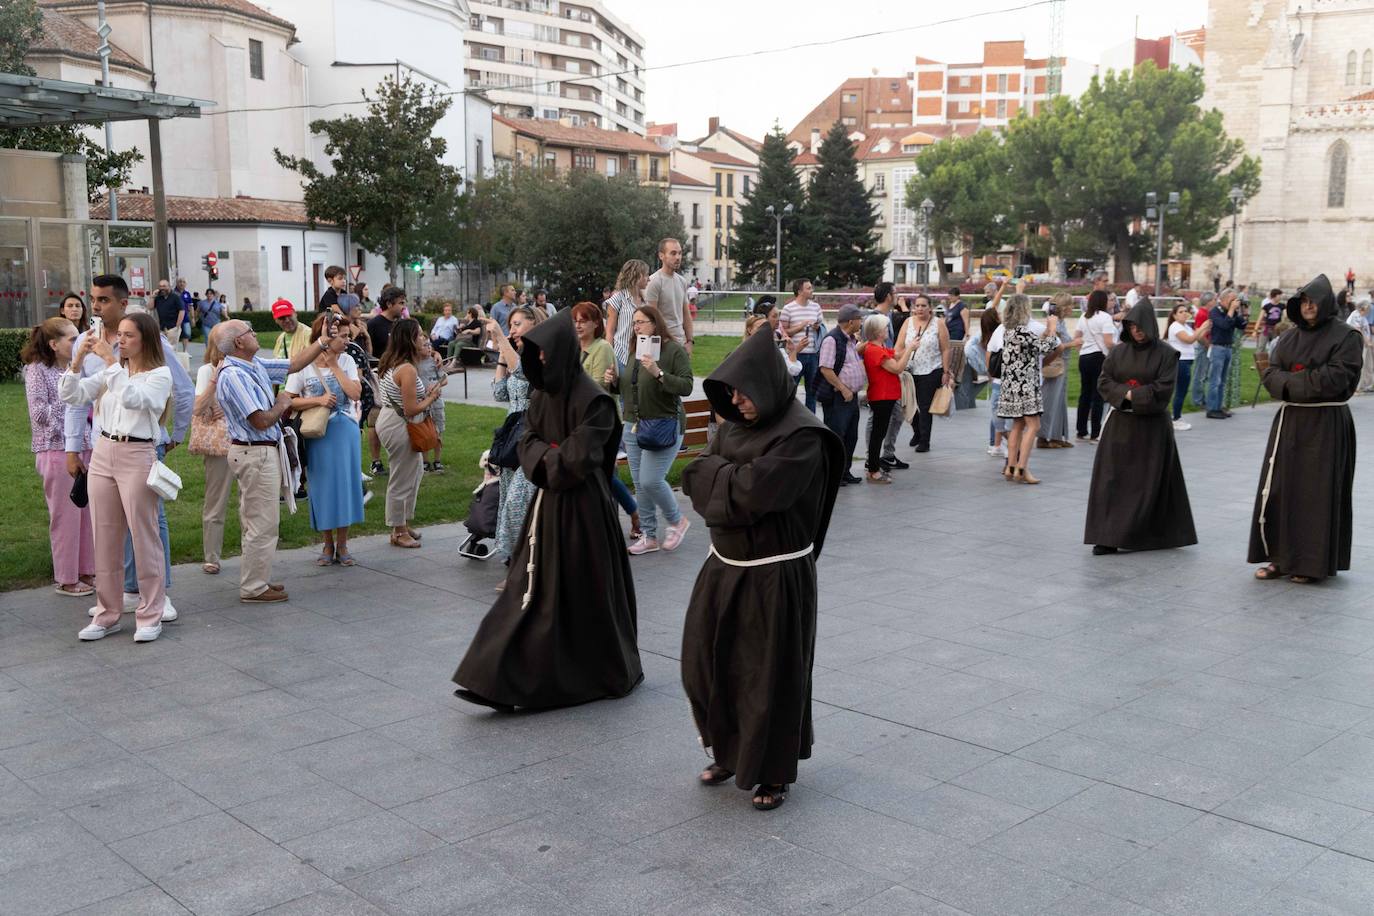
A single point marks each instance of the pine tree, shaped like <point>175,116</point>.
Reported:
<point>839,223</point>
<point>755,236</point>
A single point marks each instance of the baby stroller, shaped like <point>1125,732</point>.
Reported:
<point>481,520</point>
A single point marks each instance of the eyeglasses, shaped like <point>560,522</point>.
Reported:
<point>640,321</point>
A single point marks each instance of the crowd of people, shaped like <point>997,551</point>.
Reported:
<point>593,384</point>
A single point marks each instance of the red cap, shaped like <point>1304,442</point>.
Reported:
<point>281,308</point>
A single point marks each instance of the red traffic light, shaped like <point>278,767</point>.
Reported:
<point>211,259</point>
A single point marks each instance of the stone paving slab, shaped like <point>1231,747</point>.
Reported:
<point>1004,725</point>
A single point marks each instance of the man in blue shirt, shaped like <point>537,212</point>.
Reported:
<point>956,314</point>
<point>1228,328</point>
<point>502,309</point>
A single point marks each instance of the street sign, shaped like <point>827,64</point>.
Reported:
<point>355,271</point>
<point>212,259</point>
<point>137,284</point>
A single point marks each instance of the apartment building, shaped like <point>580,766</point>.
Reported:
<point>557,61</point>
<point>691,198</point>
<point>551,144</point>
<point>728,180</point>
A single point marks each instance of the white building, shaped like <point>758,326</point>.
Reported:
<point>554,60</point>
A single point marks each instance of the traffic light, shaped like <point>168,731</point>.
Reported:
<point>418,265</point>
<point>214,273</point>
<point>205,263</point>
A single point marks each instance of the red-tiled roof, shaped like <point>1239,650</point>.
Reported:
<point>69,36</point>
<point>208,210</point>
<point>868,148</point>
<point>675,177</point>
<point>750,142</point>
<point>581,137</point>
<point>806,158</point>
<point>241,7</point>
<point>1362,97</point>
<point>661,130</point>
<point>716,158</point>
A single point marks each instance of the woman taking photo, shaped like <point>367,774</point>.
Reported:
<point>46,357</point>
<point>1054,425</point>
<point>332,460</point>
<point>405,400</point>
<point>1181,335</point>
<point>990,337</point>
<point>598,361</point>
<point>210,440</point>
<point>1021,401</point>
<point>511,386</point>
<point>653,391</point>
<point>130,396</point>
<point>620,308</point>
<point>73,308</point>
<point>884,367</point>
<point>1095,336</point>
<point>927,340</point>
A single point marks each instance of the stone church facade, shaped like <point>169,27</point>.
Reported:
<point>1294,79</point>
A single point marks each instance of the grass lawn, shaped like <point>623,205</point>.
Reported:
<point>25,558</point>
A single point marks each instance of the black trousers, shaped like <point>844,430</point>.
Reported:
<point>926,386</point>
<point>842,417</point>
<point>882,414</point>
<point>1089,398</point>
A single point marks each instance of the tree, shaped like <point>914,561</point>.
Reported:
<point>754,240</point>
<point>968,180</point>
<point>1083,168</point>
<point>839,222</point>
<point>21,22</point>
<point>571,232</point>
<point>387,180</point>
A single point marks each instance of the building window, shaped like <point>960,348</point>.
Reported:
<point>848,122</point>
<point>612,166</point>
<point>653,169</point>
<point>286,257</point>
<point>583,159</point>
<point>1335,184</point>
<point>550,161</point>
<point>696,216</point>
<point>479,157</point>
<point>965,82</point>
<point>880,182</point>
<point>1002,83</point>
<point>850,97</point>
<point>730,184</point>
<point>255,58</point>
<point>1367,68</point>
<point>729,215</point>
<point>717,216</point>
<point>634,165</point>
<point>1350,61</point>
<point>717,186</point>
<point>746,185</point>
<point>1001,108</point>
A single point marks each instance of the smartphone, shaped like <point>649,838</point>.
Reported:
<point>650,346</point>
<point>331,325</point>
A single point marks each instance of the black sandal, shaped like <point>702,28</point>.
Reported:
<point>1265,573</point>
<point>767,797</point>
<point>715,775</point>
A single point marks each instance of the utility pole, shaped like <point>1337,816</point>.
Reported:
<point>103,30</point>
<point>1236,195</point>
<point>1154,211</point>
<point>777,245</point>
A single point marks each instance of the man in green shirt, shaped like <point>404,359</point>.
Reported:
<point>294,336</point>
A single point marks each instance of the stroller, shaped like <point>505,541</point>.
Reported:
<point>481,520</point>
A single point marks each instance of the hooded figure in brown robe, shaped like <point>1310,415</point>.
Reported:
<point>765,487</point>
<point>1138,499</point>
<point>564,630</point>
<point>1302,522</point>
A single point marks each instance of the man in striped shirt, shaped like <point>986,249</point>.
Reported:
<point>243,388</point>
<point>801,321</point>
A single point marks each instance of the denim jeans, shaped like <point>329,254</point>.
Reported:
<point>1185,375</point>
<point>1219,364</point>
<point>1200,366</point>
<point>842,418</point>
<point>130,568</point>
<point>622,496</point>
<point>649,469</point>
<point>811,368</point>
<point>997,424</point>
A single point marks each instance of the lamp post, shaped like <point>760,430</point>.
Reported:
<point>927,208</point>
<point>1236,195</point>
<point>1156,212</point>
<point>777,246</point>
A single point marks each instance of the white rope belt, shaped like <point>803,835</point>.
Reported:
<point>763,561</point>
<point>534,542</point>
<point>1273,455</point>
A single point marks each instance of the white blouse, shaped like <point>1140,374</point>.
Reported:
<point>125,405</point>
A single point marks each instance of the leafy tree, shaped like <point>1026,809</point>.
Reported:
<point>968,180</point>
<point>21,22</point>
<point>754,241</point>
<point>839,222</point>
<point>386,180</point>
<point>1083,168</point>
<point>571,232</point>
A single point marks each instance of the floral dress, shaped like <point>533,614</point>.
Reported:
<point>1021,353</point>
<point>516,491</point>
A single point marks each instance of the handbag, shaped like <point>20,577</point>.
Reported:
<point>504,443</point>
<point>656,433</point>
<point>942,402</point>
<point>314,421</point>
<point>164,481</point>
<point>79,494</point>
<point>209,438</point>
<point>424,435</point>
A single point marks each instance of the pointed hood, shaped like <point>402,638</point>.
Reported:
<point>755,369</point>
<point>556,341</point>
<point>1142,315</point>
<point>1318,289</point>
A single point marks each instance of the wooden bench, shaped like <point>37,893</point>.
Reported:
<point>698,431</point>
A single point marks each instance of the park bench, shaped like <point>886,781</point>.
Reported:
<point>698,431</point>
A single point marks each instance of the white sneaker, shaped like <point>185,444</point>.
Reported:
<point>148,634</point>
<point>998,451</point>
<point>94,632</point>
<point>1181,426</point>
<point>169,613</point>
<point>131,600</point>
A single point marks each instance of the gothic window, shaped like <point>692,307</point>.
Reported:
<point>1335,184</point>
<point>1367,67</point>
<point>1350,69</point>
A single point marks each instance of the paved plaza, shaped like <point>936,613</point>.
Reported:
<point>1005,725</point>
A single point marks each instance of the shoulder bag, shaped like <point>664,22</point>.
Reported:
<point>942,401</point>
<point>653,434</point>
<point>315,420</point>
<point>209,438</point>
<point>504,443</point>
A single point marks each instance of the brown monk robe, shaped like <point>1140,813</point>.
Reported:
<point>765,487</point>
<point>1137,499</point>
<point>1302,522</point>
<point>566,632</point>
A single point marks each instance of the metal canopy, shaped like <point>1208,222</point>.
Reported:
<point>27,101</point>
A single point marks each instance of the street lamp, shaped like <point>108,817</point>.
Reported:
<point>1154,211</point>
<point>927,208</point>
<point>777,247</point>
<point>1236,196</point>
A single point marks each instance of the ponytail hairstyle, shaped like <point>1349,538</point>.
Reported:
<point>38,348</point>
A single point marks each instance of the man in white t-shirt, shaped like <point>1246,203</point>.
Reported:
<point>667,292</point>
<point>801,320</point>
<point>1133,295</point>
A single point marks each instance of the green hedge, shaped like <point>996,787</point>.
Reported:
<point>12,340</point>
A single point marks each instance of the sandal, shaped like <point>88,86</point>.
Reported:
<point>1302,580</point>
<point>767,797</point>
<point>210,569</point>
<point>404,540</point>
<point>325,559</point>
<point>345,558</point>
<point>414,534</point>
<point>1268,572</point>
<point>715,775</point>
<point>74,589</point>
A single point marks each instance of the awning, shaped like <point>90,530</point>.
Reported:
<point>31,100</point>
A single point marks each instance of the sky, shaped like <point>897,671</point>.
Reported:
<point>752,92</point>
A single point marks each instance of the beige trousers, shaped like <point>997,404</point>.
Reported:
<point>121,500</point>
<point>407,468</point>
<point>259,477</point>
<point>218,482</point>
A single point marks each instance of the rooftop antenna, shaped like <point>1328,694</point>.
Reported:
<point>1054,76</point>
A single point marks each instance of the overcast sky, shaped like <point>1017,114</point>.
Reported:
<point>750,93</point>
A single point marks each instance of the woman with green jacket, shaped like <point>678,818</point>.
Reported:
<point>654,423</point>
